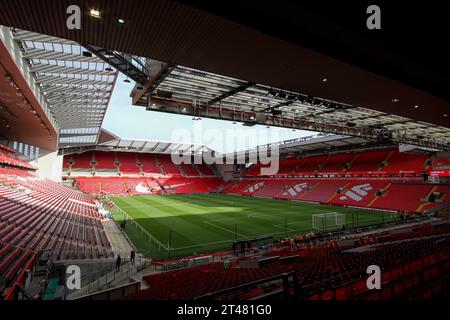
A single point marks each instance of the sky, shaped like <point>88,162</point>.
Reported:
<point>133,122</point>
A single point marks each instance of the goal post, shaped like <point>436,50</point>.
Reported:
<point>328,221</point>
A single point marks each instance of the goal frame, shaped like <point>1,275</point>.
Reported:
<point>328,221</point>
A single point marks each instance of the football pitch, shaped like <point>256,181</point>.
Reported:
<point>199,223</point>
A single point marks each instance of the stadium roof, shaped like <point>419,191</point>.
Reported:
<point>318,143</point>
<point>110,142</point>
<point>198,93</point>
<point>154,146</point>
<point>291,45</point>
<point>392,83</point>
<point>76,84</point>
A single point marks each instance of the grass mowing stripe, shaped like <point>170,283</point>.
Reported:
<point>206,222</point>
<point>225,229</point>
<point>187,229</point>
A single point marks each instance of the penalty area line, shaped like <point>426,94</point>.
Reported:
<point>224,229</point>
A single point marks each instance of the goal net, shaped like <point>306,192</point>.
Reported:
<point>328,221</point>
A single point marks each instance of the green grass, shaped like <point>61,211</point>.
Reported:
<point>206,223</point>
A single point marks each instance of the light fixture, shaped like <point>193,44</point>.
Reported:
<point>416,107</point>
<point>94,13</point>
<point>445,115</point>
<point>395,100</point>
<point>324,80</point>
<point>121,20</point>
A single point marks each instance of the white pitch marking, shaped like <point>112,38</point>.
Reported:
<point>224,229</point>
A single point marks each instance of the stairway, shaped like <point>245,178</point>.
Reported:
<point>335,194</point>
<point>216,171</point>
<point>161,168</point>
<point>351,163</point>
<point>181,171</point>
<point>117,163</point>
<point>422,205</point>
<point>386,161</point>
<point>385,191</point>
<point>299,196</point>
<point>320,166</point>
<point>140,166</point>
<point>200,174</point>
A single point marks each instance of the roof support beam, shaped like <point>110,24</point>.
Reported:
<point>53,55</point>
<point>284,121</point>
<point>231,92</point>
<point>69,81</point>
<point>48,68</point>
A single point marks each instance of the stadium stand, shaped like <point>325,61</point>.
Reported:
<point>117,186</point>
<point>310,165</point>
<point>167,166</point>
<point>293,190</point>
<point>337,163</point>
<point>189,170</point>
<point>128,163</point>
<point>270,188</point>
<point>360,193</point>
<point>438,195</point>
<point>401,162</point>
<point>190,185</point>
<point>402,197</point>
<point>236,187</point>
<point>149,164</point>
<point>370,163</point>
<point>325,270</point>
<point>104,160</point>
<point>113,186</point>
<point>375,193</point>
<point>9,158</point>
<point>383,179</point>
<point>81,161</point>
<point>204,170</point>
<point>322,191</point>
<point>38,215</point>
